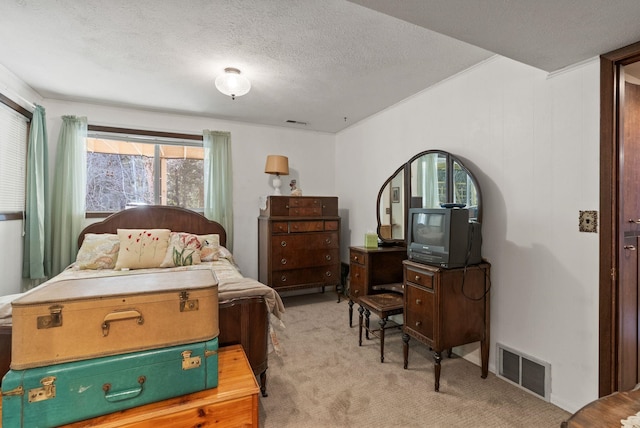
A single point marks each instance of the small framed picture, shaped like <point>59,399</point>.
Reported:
<point>395,194</point>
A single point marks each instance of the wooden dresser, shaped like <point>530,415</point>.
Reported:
<point>444,308</point>
<point>371,268</point>
<point>299,242</point>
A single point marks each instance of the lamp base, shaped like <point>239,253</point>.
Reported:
<point>276,185</point>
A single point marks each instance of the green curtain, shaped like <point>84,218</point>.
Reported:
<point>69,192</point>
<point>36,260</point>
<point>218,180</point>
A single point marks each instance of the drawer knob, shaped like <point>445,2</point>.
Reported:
<point>328,257</point>
<point>283,278</point>
<point>283,261</point>
<point>355,258</point>
<point>295,227</point>
<point>418,323</point>
<point>328,240</point>
<point>357,275</point>
<point>418,301</point>
<point>328,273</point>
<point>417,278</point>
<point>283,244</point>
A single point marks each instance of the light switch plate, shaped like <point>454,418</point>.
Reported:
<point>588,221</point>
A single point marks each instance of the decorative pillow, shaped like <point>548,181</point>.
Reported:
<point>183,250</point>
<point>142,248</point>
<point>209,245</point>
<point>98,251</point>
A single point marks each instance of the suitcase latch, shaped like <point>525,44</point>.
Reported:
<point>189,362</point>
<point>46,392</point>
<point>187,305</point>
<point>54,319</point>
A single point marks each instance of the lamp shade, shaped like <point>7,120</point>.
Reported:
<point>232,83</point>
<point>277,164</point>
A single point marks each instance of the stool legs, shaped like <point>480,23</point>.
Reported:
<point>382,322</point>
<point>367,313</point>
<point>361,311</point>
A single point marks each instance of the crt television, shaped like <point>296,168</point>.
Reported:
<point>443,237</point>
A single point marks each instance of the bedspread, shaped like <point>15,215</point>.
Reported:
<point>231,284</point>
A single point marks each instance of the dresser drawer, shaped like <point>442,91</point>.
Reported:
<point>419,311</point>
<point>280,227</point>
<point>419,277</point>
<point>326,275</point>
<point>306,226</point>
<point>295,242</point>
<point>284,259</point>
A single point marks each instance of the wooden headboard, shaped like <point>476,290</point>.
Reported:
<point>175,219</point>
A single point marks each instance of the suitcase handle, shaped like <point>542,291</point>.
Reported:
<point>123,395</point>
<point>120,316</point>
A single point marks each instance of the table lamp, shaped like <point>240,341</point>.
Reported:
<point>277,165</point>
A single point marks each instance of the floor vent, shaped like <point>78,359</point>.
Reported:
<point>524,371</point>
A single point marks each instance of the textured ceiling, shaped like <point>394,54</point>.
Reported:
<point>327,63</point>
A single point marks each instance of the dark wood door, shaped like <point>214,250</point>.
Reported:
<point>629,230</point>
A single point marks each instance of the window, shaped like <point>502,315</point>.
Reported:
<point>14,132</point>
<point>125,169</point>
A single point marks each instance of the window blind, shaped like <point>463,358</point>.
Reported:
<point>13,159</point>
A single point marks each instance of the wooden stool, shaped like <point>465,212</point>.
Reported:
<point>383,305</point>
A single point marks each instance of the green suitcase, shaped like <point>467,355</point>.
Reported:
<point>63,393</point>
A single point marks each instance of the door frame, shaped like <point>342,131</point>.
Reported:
<point>610,305</point>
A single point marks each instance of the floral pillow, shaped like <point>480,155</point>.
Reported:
<point>183,250</point>
<point>209,246</point>
<point>98,251</point>
<point>142,248</point>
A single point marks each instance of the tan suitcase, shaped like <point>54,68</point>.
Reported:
<point>78,319</point>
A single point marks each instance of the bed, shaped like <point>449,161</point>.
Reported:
<point>246,307</point>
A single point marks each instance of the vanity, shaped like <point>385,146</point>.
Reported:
<point>443,307</point>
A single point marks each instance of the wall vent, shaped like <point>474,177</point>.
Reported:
<point>524,371</point>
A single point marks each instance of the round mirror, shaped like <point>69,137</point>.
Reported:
<point>432,178</point>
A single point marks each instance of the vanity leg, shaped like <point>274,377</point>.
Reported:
<point>484,355</point>
<point>360,318</point>
<point>437,358</point>
<point>382,322</point>
<point>263,383</point>
<point>405,349</point>
<point>350,313</point>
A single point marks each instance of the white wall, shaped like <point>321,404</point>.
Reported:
<point>310,154</point>
<point>533,142</point>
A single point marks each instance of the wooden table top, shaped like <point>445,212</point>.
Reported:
<point>235,381</point>
<point>607,411</point>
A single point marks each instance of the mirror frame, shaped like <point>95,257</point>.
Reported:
<point>405,170</point>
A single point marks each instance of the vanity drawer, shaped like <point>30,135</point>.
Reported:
<point>356,257</point>
<point>419,311</point>
<point>419,277</point>
<point>356,281</point>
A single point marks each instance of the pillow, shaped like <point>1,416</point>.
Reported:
<point>209,245</point>
<point>183,250</point>
<point>98,251</point>
<point>142,248</point>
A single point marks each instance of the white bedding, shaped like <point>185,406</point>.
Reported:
<point>231,284</point>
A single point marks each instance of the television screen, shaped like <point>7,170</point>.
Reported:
<point>429,229</point>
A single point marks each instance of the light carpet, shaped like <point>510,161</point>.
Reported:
<point>322,378</point>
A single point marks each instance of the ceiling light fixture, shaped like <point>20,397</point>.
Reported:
<point>232,83</point>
